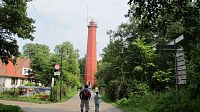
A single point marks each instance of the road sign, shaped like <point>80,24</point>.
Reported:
<point>179,54</point>
<point>56,73</point>
<point>163,47</point>
<point>182,72</point>
<point>181,63</point>
<point>179,49</point>
<point>56,66</point>
<point>182,77</point>
<point>179,68</point>
<point>182,81</point>
<point>177,40</point>
<point>180,59</point>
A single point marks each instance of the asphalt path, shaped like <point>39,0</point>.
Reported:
<point>72,105</point>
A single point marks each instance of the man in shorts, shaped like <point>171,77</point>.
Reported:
<point>85,95</point>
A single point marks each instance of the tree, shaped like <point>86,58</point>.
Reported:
<point>82,62</point>
<point>167,19</point>
<point>40,61</point>
<point>70,65</point>
<point>13,23</point>
<point>70,57</point>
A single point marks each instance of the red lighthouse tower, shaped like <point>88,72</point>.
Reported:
<point>91,58</point>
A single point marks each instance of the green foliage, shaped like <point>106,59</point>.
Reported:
<point>162,102</point>
<point>193,71</point>
<point>11,92</point>
<point>70,57</point>
<point>131,70</point>
<point>40,59</point>
<point>42,62</point>
<point>167,102</point>
<point>166,19</point>
<point>82,62</point>
<point>67,92</point>
<point>106,98</point>
<point>9,108</point>
<point>30,84</point>
<point>122,102</point>
<point>137,103</point>
<point>138,69</point>
<point>14,23</point>
<point>72,80</point>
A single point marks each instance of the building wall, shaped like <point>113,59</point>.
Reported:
<point>2,79</point>
<point>7,81</point>
<point>16,71</point>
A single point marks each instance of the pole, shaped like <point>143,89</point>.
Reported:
<point>176,71</point>
<point>14,63</point>
<point>61,72</point>
<point>14,80</point>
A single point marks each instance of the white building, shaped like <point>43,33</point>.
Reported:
<point>14,75</point>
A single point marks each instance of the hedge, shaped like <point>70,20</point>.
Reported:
<point>10,108</point>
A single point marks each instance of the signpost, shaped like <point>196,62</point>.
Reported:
<point>52,82</point>
<point>56,73</point>
<point>56,66</point>
<point>180,67</point>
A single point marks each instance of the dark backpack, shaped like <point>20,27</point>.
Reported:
<point>85,94</point>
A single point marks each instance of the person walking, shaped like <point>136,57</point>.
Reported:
<point>97,98</point>
<point>85,95</point>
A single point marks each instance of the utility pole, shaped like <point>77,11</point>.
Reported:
<point>61,72</point>
<point>14,60</point>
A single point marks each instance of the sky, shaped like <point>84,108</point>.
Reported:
<point>58,21</point>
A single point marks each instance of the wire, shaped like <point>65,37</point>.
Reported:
<point>43,22</point>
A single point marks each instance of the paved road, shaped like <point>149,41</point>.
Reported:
<point>72,105</point>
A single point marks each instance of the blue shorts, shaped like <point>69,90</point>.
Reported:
<point>96,106</point>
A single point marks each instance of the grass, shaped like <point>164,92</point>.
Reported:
<point>131,109</point>
<point>36,100</point>
<point>107,100</point>
<point>72,93</point>
<point>139,104</point>
<point>24,99</point>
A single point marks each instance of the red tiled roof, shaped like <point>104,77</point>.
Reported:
<point>11,70</point>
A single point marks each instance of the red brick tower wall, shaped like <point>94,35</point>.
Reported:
<point>91,58</point>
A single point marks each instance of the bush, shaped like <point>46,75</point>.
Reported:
<point>9,108</point>
<point>30,84</point>
<point>122,102</point>
<point>11,92</point>
<point>162,102</point>
<point>167,102</point>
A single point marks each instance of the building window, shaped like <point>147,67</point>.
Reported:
<point>14,81</point>
<point>22,81</point>
<point>25,71</point>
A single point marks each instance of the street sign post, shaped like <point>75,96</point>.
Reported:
<point>177,40</point>
<point>181,67</point>
<point>56,73</point>
<point>182,79</point>
<point>56,66</point>
<point>165,47</point>
<point>52,82</point>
